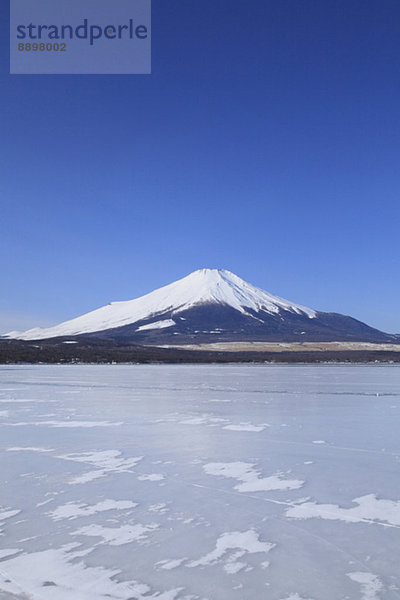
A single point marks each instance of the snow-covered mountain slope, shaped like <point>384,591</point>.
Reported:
<point>205,286</point>
<point>209,305</point>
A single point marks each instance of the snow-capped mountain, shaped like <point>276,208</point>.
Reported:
<point>208,305</point>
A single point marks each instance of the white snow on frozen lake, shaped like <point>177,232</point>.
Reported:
<point>250,478</point>
<point>369,509</point>
<point>246,427</point>
<point>370,584</point>
<point>73,510</point>
<point>231,482</point>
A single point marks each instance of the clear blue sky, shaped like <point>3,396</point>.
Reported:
<point>266,142</point>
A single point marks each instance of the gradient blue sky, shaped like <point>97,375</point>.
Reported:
<point>266,142</point>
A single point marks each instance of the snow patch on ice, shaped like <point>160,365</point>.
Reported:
<point>69,424</point>
<point>369,510</point>
<point>7,514</point>
<point>250,478</point>
<point>195,421</point>
<point>8,552</point>
<point>106,461</point>
<point>51,575</point>
<point>244,541</point>
<point>223,400</point>
<point>151,477</point>
<point>170,564</point>
<point>295,596</point>
<point>73,510</point>
<point>158,508</point>
<point>370,584</point>
<point>28,449</point>
<point>211,421</point>
<point>23,400</point>
<point>245,427</point>
<point>233,565</point>
<point>117,536</point>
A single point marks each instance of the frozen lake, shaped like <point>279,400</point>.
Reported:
<point>200,482</point>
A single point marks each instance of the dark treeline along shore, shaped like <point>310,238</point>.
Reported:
<point>91,350</point>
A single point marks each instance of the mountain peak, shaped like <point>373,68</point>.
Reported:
<point>209,305</point>
<point>224,287</point>
<point>210,274</point>
<point>201,287</point>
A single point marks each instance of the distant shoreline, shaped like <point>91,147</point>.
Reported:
<point>97,351</point>
<point>286,346</point>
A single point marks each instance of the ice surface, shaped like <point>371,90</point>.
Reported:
<point>199,482</point>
